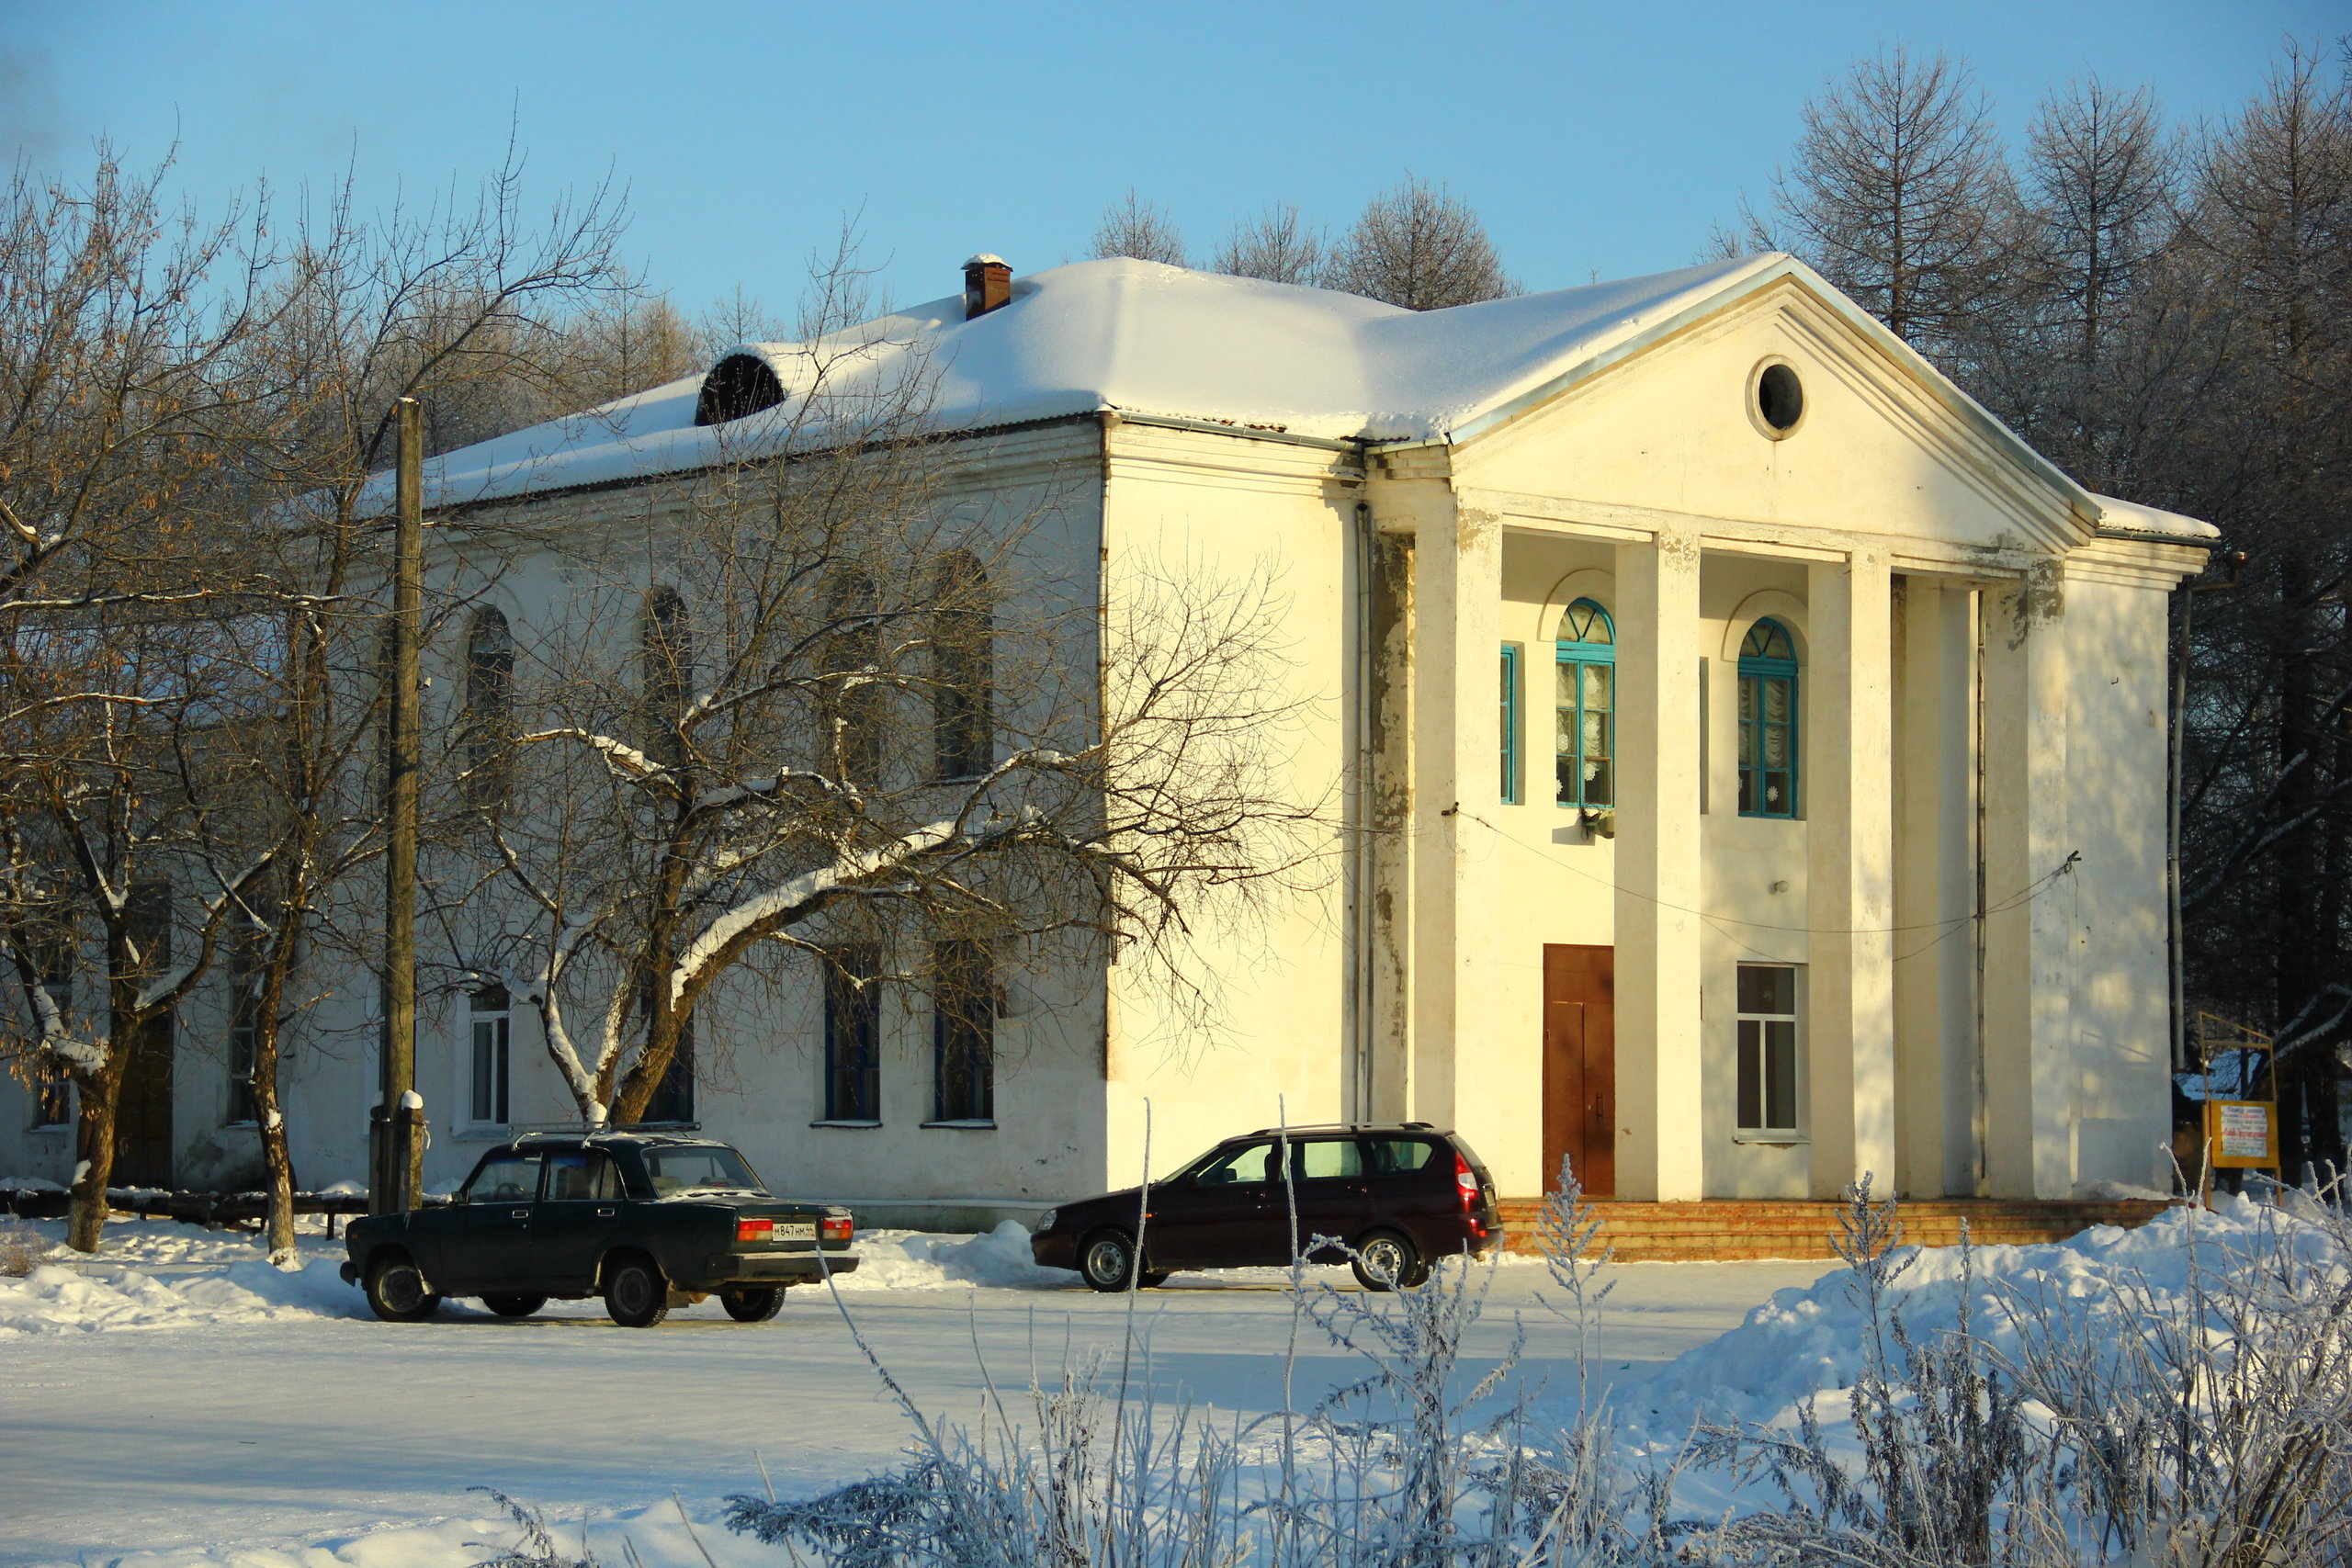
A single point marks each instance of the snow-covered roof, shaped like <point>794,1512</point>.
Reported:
<point>1144,339</point>
<point>1140,338</point>
<point>2131,517</point>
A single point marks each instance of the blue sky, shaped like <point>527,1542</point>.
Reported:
<point>1594,139</point>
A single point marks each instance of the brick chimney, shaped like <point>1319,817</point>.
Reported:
<point>988,284</point>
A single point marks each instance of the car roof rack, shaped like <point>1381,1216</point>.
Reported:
<point>1303,1128</point>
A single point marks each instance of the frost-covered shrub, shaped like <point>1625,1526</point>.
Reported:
<point>22,1249</point>
<point>2182,1395</point>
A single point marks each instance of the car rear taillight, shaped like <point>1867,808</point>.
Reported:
<point>754,1230</point>
<point>1465,1184</point>
<point>835,1227</point>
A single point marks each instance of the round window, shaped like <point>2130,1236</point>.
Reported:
<point>1780,399</point>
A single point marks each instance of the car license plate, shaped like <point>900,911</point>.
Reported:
<point>796,1230</point>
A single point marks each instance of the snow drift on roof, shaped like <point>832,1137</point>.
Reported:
<point>1142,338</point>
<point>2131,517</point>
<point>1137,337</point>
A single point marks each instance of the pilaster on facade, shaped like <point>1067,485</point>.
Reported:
<point>1660,1148</point>
<point>2029,927</point>
<point>1849,803</point>
<point>1457,887</point>
<point>1938,1088</point>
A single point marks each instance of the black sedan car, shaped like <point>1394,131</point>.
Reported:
<point>1392,1196</point>
<point>648,1220</point>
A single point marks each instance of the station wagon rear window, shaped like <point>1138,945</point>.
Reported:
<point>702,1167</point>
<point>1391,1157</point>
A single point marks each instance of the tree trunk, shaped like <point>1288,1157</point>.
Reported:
<point>94,1151</point>
<point>652,1064</point>
<point>278,1162</point>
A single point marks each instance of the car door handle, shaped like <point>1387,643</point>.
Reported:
<point>607,1214</point>
<point>518,1213</point>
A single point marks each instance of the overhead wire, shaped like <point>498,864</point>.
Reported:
<point>1944,929</point>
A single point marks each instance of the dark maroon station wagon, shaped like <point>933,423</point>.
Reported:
<point>1397,1195</point>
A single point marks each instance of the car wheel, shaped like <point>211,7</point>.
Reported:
<point>514,1306</point>
<point>1385,1260</point>
<point>1106,1257</point>
<point>397,1291</point>
<point>635,1296</point>
<point>753,1304</point>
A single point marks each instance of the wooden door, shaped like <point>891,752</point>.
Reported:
<point>1581,1066</point>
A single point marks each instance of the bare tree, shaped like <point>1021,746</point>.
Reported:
<point>1275,247</point>
<point>1899,195</point>
<point>477,308</point>
<point>1140,229</point>
<point>2270,836</point>
<point>119,325</point>
<point>1421,246</point>
<point>814,718</point>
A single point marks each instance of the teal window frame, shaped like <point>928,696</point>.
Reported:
<point>1579,653</point>
<point>1768,658</point>
<point>1510,724</point>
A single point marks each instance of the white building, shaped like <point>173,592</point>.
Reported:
<point>1695,662</point>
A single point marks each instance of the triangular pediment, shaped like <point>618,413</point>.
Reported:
<point>1885,445</point>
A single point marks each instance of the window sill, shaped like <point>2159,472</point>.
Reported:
<point>844,1123</point>
<point>1770,816</point>
<point>247,1126</point>
<point>53,1128</point>
<point>1774,1140</point>
<point>967,1125</point>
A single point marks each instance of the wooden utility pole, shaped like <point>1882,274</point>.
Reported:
<point>399,1145</point>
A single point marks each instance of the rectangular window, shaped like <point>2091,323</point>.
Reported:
<point>1511,724</point>
<point>52,1098</point>
<point>853,1035</point>
<point>244,1019</point>
<point>53,1088</point>
<point>962,1023</point>
<point>486,1103</point>
<point>672,1100</point>
<point>1768,1048</point>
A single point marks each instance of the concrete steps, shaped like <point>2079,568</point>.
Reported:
<point>1738,1230</point>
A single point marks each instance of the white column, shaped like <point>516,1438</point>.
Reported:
<point>1660,1153</point>
<point>1456,867</point>
<point>2029,943</point>
<point>1847,786</point>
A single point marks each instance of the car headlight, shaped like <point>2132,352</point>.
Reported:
<point>1046,1221</point>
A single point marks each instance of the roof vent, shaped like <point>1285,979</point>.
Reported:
<point>988,284</point>
<point>738,385</point>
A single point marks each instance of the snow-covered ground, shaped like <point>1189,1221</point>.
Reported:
<point>232,1414</point>
<point>179,1403</point>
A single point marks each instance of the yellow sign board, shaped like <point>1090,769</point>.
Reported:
<point>2243,1134</point>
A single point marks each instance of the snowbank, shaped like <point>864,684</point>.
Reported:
<point>1802,1342</point>
<point>911,1260</point>
<point>163,1275</point>
<point>57,1299</point>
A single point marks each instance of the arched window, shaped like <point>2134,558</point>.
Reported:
<point>855,702</point>
<point>963,673</point>
<point>666,657</point>
<point>1585,740</point>
<point>1768,722</point>
<point>738,385</point>
<point>490,707</point>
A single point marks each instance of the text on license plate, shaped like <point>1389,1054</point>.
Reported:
<point>796,1230</point>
